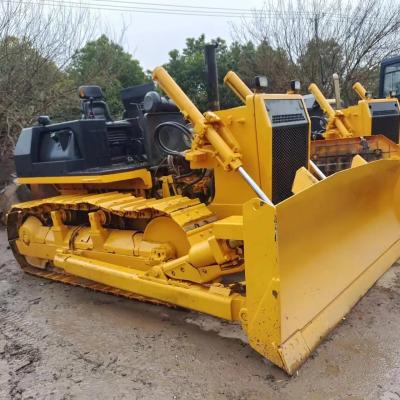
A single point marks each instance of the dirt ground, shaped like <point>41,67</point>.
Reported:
<point>61,342</point>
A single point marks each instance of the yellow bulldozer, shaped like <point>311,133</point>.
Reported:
<point>369,128</point>
<point>241,225</point>
<point>348,136</point>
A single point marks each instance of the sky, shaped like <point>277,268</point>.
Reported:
<point>149,37</point>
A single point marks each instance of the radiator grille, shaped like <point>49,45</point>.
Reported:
<point>278,119</point>
<point>289,153</point>
<point>117,136</point>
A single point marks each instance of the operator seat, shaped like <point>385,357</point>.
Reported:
<point>93,105</point>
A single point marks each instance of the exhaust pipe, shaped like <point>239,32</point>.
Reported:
<point>212,76</point>
<point>336,86</point>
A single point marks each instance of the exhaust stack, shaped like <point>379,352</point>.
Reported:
<point>212,76</point>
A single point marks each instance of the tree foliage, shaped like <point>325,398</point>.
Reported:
<point>105,63</point>
<point>188,68</point>
<point>45,55</point>
<point>320,37</point>
<point>34,47</point>
<point>33,82</point>
<point>320,60</point>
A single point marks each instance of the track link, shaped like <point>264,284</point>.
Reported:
<point>188,213</point>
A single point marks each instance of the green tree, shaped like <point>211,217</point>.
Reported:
<point>103,62</point>
<point>187,67</point>
<point>247,60</point>
<point>264,60</point>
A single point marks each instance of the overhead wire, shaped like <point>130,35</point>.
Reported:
<point>205,9</point>
<point>110,7</point>
<point>176,5</point>
<point>159,8</point>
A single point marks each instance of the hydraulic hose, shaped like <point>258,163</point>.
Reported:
<point>182,128</point>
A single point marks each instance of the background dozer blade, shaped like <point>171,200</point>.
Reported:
<point>314,255</point>
<point>333,155</point>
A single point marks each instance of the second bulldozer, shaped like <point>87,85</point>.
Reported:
<point>241,226</point>
<point>369,129</point>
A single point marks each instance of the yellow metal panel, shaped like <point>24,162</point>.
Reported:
<point>229,228</point>
<point>263,292</point>
<point>319,260</point>
<point>303,180</point>
<point>329,317</point>
<point>359,118</point>
<point>230,187</point>
<point>325,249</point>
<point>357,161</point>
<point>140,174</point>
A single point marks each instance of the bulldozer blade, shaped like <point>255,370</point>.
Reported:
<point>310,258</point>
<point>333,155</point>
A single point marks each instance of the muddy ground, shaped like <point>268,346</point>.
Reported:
<point>61,342</point>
